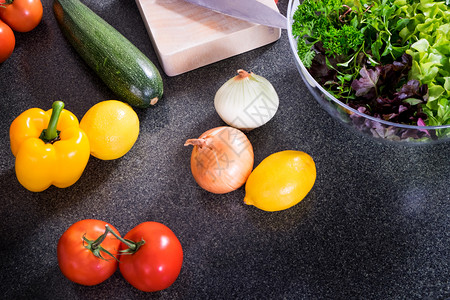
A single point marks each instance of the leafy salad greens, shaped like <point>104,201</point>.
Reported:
<point>386,58</point>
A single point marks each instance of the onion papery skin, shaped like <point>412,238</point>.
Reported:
<point>221,160</point>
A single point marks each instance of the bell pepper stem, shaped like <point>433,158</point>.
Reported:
<point>132,246</point>
<point>51,133</point>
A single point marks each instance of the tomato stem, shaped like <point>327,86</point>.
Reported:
<point>95,246</point>
<point>51,134</point>
<point>133,246</point>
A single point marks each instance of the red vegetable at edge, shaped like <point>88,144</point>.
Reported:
<point>81,248</point>
<point>7,41</point>
<point>21,15</point>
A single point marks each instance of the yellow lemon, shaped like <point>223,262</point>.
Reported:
<point>112,128</point>
<point>280,181</point>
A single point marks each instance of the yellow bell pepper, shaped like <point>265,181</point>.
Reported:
<point>49,146</point>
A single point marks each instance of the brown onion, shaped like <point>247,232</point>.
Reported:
<point>222,159</point>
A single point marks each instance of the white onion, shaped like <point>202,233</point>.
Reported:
<point>246,101</point>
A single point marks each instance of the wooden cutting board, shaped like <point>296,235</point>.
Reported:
<point>186,36</point>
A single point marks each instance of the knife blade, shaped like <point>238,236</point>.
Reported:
<point>249,10</point>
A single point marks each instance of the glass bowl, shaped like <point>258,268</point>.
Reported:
<point>366,125</point>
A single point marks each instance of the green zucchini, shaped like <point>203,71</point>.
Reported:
<point>121,66</point>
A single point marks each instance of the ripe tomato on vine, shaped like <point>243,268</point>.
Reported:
<point>21,15</point>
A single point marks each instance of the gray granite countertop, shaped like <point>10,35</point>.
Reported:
<point>374,226</point>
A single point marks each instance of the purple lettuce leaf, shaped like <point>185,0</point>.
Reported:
<point>367,85</point>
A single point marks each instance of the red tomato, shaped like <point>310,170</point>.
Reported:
<point>157,263</point>
<point>80,264</point>
<point>7,41</point>
<point>21,15</point>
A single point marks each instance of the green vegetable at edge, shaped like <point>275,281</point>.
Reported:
<point>430,21</point>
<point>391,28</point>
<point>121,66</point>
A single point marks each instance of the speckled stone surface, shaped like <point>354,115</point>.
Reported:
<point>375,225</point>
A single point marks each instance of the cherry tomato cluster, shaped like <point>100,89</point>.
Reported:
<point>20,16</point>
<point>149,256</point>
